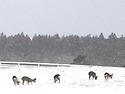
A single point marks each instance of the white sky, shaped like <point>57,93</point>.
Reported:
<point>65,17</point>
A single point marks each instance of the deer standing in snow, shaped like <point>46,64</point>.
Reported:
<point>92,74</point>
<point>57,78</point>
<point>107,76</point>
<point>27,79</point>
<point>15,80</point>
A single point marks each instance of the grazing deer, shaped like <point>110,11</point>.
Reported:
<point>93,74</point>
<point>27,79</point>
<point>107,76</point>
<point>15,80</point>
<point>57,78</point>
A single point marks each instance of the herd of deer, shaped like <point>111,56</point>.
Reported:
<point>28,79</point>
<point>94,76</point>
<point>57,78</point>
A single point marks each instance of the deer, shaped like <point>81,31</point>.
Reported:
<point>15,80</point>
<point>92,74</point>
<point>107,76</point>
<point>57,78</point>
<point>28,79</point>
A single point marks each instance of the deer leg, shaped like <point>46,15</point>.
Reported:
<point>89,77</point>
<point>23,82</point>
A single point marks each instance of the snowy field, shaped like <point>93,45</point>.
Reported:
<point>74,80</point>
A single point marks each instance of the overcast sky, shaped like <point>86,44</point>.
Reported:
<point>65,17</point>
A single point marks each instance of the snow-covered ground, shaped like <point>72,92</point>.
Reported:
<point>74,80</point>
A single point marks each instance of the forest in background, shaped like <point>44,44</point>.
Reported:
<point>71,49</point>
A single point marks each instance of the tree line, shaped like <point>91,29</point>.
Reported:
<point>90,50</point>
